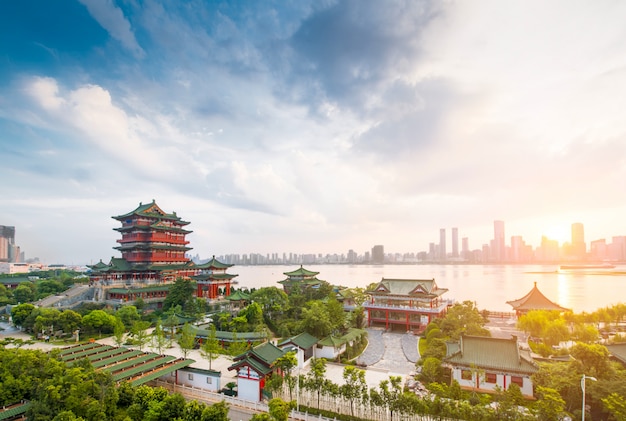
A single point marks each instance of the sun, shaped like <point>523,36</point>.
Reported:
<point>560,233</point>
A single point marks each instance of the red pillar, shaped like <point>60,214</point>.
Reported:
<point>199,293</point>
<point>386,319</point>
<point>228,289</point>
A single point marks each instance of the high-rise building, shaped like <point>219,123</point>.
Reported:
<point>7,244</point>
<point>499,248</point>
<point>378,254</point>
<point>455,242</point>
<point>617,250</point>
<point>465,248</point>
<point>578,246</point>
<point>442,244</point>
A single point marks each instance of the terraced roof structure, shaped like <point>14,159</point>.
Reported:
<point>124,364</point>
<point>12,412</point>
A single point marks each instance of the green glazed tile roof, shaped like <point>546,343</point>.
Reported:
<point>261,357</point>
<point>303,341</point>
<point>267,352</point>
<point>151,210</point>
<point>215,276</point>
<point>491,354</point>
<point>301,272</point>
<point>14,410</point>
<point>161,371</point>
<point>135,366</point>
<point>336,341</point>
<point>213,264</point>
<point>230,336</point>
<point>408,287</point>
<point>238,296</point>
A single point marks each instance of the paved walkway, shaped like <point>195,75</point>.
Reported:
<point>389,352</point>
<point>375,348</point>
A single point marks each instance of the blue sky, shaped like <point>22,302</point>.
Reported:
<point>311,127</point>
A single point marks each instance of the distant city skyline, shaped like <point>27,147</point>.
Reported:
<point>498,251</point>
<point>514,250</point>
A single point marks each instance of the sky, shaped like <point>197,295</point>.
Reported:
<point>311,126</point>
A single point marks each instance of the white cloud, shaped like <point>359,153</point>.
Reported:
<point>111,18</point>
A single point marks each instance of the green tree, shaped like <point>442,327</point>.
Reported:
<point>69,321</point>
<point>391,392</point>
<point>211,348</point>
<point>159,340</point>
<point>615,404</point>
<point>274,301</point>
<point>99,321</point>
<point>253,314</point>
<point>187,339</point>
<point>315,376</point>
<point>180,293</point>
<point>354,385</point>
<point>47,287</point>
<point>20,313</point>
<point>6,296</point>
<point>287,363</point>
<point>118,332</point>
<point>216,412</point>
<point>431,370</point>
<point>237,347</point>
<point>550,405</point>
<point>24,293</point>
<point>357,317</point>
<point>128,315</point>
<point>593,359</point>
<point>140,334</point>
<point>47,320</point>
<point>316,320</point>
<point>336,313</point>
<point>462,319</point>
<point>279,409</point>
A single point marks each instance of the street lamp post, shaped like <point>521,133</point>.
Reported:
<point>582,386</point>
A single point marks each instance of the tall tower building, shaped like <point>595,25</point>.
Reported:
<point>578,247</point>
<point>378,254</point>
<point>442,244</point>
<point>455,242</point>
<point>465,248</point>
<point>499,248</point>
<point>7,243</point>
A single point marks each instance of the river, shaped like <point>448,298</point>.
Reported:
<point>489,286</point>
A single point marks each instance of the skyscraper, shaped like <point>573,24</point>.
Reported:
<point>465,248</point>
<point>455,242</point>
<point>378,254</point>
<point>442,244</point>
<point>499,248</point>
<point>7,243</point>
<point>579,248</point>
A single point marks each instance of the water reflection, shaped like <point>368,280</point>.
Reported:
<point>490,286</point>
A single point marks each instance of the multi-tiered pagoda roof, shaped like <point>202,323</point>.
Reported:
<point>153,247</point>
